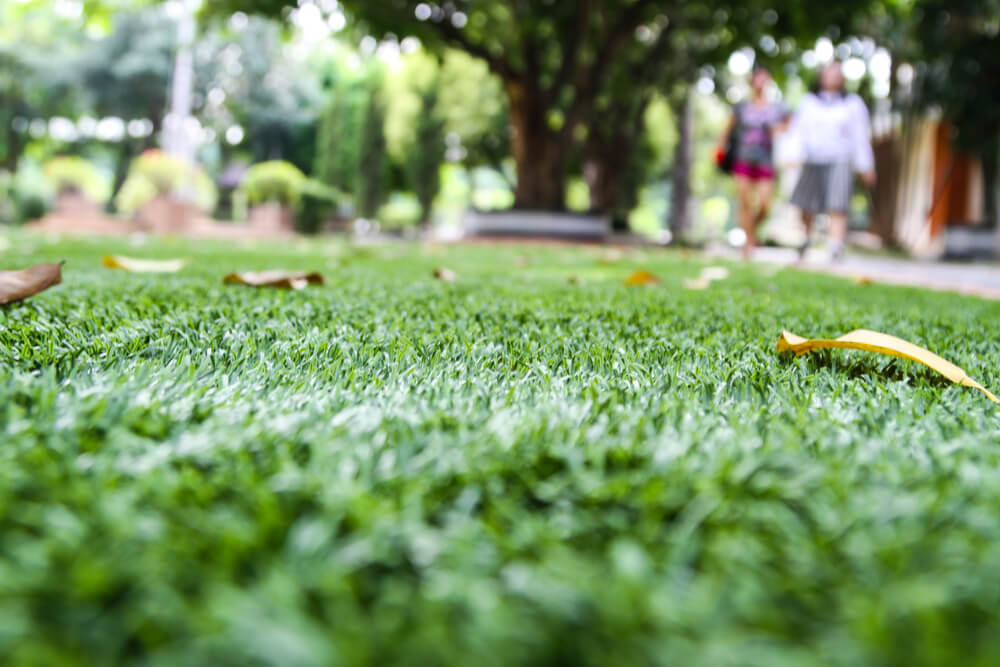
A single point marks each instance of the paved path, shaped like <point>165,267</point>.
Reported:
<point>978,279</point>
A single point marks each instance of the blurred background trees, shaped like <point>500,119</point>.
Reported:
<point>412,111</point>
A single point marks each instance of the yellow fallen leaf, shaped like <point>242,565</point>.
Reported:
<point>444,274</point>
<point>642,278</point>
<point>144,265</point>
<point>863,281</point>
<point>281,279</point>
<point>19,285</point>
<point>872,341</point>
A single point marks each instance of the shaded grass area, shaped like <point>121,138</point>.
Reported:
<point>507,469</point>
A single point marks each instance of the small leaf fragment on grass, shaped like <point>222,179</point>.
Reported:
<point>697,283</point>
<point>144,265</point>
<point>611,256</point>
<point>872,341</point>
<point>713,273</point>
<point>444,274</point>
<point>864,281</point>
<point>19,285</point>
<point>708,275</point>
<point>280,279</point>
<point>642,278</point>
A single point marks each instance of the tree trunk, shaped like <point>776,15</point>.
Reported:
<point>122,162</point>
<point>619,160</point>
<point>539,152</point>
<point>680,195</point>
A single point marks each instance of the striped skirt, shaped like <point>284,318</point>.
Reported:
<point>824,188</point>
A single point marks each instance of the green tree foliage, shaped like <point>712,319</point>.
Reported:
<point>372,163</point>
<point>274,97</point>
<point>428,153</point>
<point>562,63</point>
<point>338,146</point>
<point>960,42</point>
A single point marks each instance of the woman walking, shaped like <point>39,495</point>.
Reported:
<point>832,126</point>
<point>754,123</point>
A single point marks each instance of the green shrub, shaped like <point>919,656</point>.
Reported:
<point>67,173</point>
<point>317,204</point>
<point>24,196</point>
<point>275,181</point>
<point>155,173</point>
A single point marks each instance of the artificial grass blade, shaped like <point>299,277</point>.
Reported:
<point>872,341</point>
<point>144,265</point>
<point>19,285</point>
<point>281,279</point>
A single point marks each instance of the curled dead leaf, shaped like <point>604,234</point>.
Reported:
<point>144,265</point>
<point>19,285</point>
<point>444,274</point>
<point>872,341</point>
<point>280,279</point>
<point>642,278</point>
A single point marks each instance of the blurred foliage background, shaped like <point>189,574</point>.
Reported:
<point>412,112</point>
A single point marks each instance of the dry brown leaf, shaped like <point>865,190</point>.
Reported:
<point>280,279</point>
<point>873,341</point>
<point>19,285</point>
<point>863,281</point>
<point>642,278</point>
<point>444,274</point>
<point>144,265</point>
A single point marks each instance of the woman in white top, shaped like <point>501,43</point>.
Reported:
<point>833,128</point>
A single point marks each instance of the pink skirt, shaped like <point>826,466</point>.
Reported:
<point>754,172</point>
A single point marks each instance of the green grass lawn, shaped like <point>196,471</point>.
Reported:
<point>509,469</point>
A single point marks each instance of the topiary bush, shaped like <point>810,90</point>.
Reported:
<point>155,173</point>
<point>274,182</point>
<point>69,173</point>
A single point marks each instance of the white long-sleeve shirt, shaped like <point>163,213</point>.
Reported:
<point>833,129</point>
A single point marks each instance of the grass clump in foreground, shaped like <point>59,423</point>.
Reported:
<point>506,469</point>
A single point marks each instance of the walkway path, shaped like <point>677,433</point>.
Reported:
<point>973,278</point>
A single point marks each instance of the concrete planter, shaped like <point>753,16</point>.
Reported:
<point>74,204</point>
<point>537,224</point>
<point>272,217</point>
<point>167,215</point>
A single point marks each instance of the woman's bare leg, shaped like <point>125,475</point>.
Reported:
<point>838,233</point>
<point>745,193</point>
<point>807,222</point>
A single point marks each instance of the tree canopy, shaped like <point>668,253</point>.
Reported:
<point>572,69</point>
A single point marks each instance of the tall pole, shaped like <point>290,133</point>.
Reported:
<point>178,139</point>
